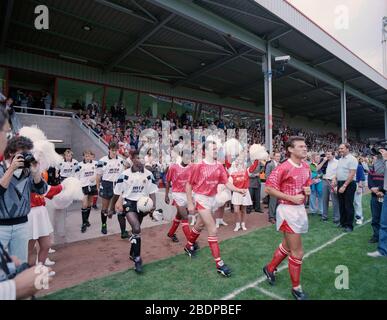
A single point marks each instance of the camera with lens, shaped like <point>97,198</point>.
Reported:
<point>14,271</point>
<point>28,159</point>
<point>375,150</point>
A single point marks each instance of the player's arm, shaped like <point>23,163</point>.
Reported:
<point>297,199</point>
<point>190,205</point>
<point>167,186</point>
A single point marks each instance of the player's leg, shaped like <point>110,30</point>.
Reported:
<point>94,202</point>
<point>135,220</point>
<point>90,201</point>
<point>121,219</point>
<point>212,230</point>
<point>84,210</point>
<point>191,245</point>
<point>237,212</point>
<point>294,243</point>
<point>279,255</point>
<point>175,224</point>
<point>104,214</point>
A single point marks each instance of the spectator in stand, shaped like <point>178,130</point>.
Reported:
<point>329,168</point>
<point>360,185</point>
<point>46,101</point>
<point>375,184</point>
<point>346,186</point>
<point>315,202</point>
<point>107,137</point>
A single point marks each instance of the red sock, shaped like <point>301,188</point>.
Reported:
<point>95,198</point>
<point>279,255</point>
<point>185,227</point>
<point>193,236</point>
<point>295,270</point>
<point>174,227</point>
<point>214,246</point>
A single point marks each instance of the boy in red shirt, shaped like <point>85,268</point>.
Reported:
<point>178,175</point>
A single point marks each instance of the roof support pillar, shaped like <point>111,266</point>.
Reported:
<point>266,67</point>
<point>343,114</point>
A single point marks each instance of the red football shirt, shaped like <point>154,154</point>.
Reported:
<point>290,179</point>
<point>206,177</point>
<point>179,176</point>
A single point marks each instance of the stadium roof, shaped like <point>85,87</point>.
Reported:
<point>212,45</point>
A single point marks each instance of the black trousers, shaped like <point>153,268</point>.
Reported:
<point>255,194</point>
<point>347,210</point>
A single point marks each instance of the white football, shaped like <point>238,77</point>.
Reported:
<point>144,204</point>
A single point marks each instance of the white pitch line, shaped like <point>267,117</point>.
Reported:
<point>270,294</point>
<point>263,278</point>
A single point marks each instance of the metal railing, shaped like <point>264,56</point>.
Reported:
<point>59,113</point>
<point>90,131</point>
<point>44,112</point>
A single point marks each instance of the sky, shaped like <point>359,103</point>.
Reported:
<point>355,23</point>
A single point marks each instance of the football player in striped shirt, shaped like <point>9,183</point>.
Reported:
<point>133,184</point>
<point>67,166</point>
<point>86,171</point>
<point>290,184</point>
<point>109,168</point>
<point>202,187</point>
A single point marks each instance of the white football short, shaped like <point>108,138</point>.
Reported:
<point>292,218</point>
<point>241,200</point>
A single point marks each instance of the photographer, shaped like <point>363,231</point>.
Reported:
<point>19,176</point>
<point>14,283</point>
<point>382,246</point>
<point>17,281</point>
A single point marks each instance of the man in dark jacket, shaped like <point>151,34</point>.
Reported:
<point>255,189</point>
<point>375,184</point>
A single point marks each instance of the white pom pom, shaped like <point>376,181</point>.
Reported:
<point>258,152</point>
<point>44,152</point>
<point>33,133</point>
<point>72,190</point>
<point>222,197</point>
<point>233,147</point>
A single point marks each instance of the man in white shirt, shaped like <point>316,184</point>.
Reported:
<point>330,164</point>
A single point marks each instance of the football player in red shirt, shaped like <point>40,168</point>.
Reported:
<point>290,183</point>
<point>178,175</point>
<point>202,187</point>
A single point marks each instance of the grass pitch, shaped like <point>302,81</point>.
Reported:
<point>180,277</point>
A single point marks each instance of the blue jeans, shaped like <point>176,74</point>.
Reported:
<point>382,247</point>
<point>15,240</point>
<point>376,210</point>
<point>315,195</point>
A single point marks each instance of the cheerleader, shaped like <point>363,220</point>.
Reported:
<point>239,174</point>
<point>39,225</point>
